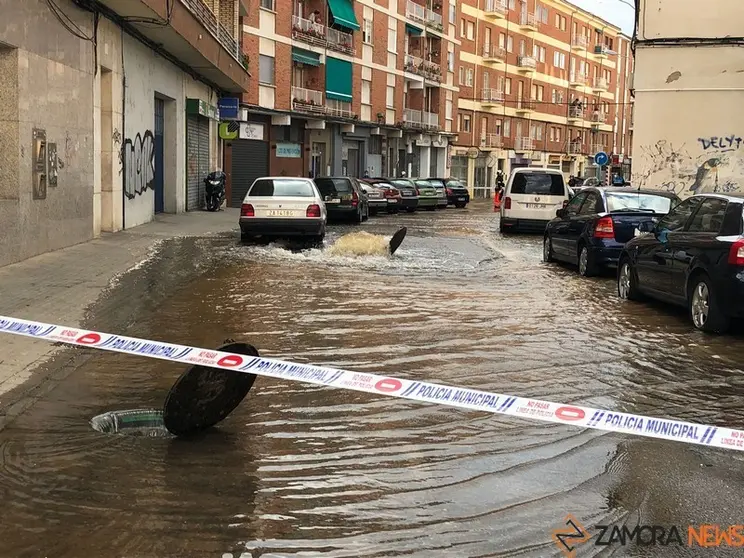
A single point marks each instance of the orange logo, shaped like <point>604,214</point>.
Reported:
<point>570,536</point>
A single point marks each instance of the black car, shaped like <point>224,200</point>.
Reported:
<point>693,257</point>
<point>457,194</point>
<point>344,197</point>
<point>595,225</point>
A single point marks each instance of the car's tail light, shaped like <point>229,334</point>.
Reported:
<point>605,228</point>
<point>418,192</point>
<point>313,210</point>
<point>354,199</point>
<point>736,254</point>
<point>507,203</point>
<point>449,191</point>
<point>246,210</point>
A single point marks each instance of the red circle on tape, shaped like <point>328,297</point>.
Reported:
<point>230,360</point>
<point>570,413</point>
<point>388,385</point>
<point>89,339</point>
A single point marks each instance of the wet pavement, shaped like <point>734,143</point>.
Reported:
<point>301,470</point>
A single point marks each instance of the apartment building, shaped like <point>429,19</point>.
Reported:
<point>109,113</point>
<point>344,87</point>
<point>689,85</point>
<point>541,84</point>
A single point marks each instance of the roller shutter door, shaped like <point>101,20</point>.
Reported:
<point>250,160</point>
<point>197,164</point>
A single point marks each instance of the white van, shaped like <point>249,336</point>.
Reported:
<point>531,199</point>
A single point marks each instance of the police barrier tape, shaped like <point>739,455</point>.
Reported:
<point>471,399</point>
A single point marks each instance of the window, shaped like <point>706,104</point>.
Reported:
<point>464,123</point>
<point>507,86</point>
<point>452,13</point>
<point>538,184</point>
<point>462,75</point>
<point>448,109</point>
<point>267,4</point>
<point>367,31</point>
<point>390,101</point>
<point>392,40</point>
<point>538,92</point>
<point>575,204</point>
<point>559,60</point>
<point>558,21</point>
<point>536,132</point>
<point>633,201</point>
<point>538,53</point>
<point>590,205</point>
<point>333,186</point>
<point>462,27</point>
<point>451,61</point>
<point>541,14</point>
<point>678,217</point>
<point>265,69</point>
<point>471,30</point>
<point>507,128</point>
<point>522,48</point>
<point>512,4</point>
<point>469,80</point>
<point>709,218</point>
<point>282,187</point>
<point>366,92</point>
<point>375,145</point>
<point>502,40</point>
<point>499,126</point>
<point>509,44</point>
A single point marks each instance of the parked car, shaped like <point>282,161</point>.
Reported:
<point>457,194</point>
<point>408,193</point>
<point>428,195</point>
<point>376,198</point>
<point>693,257</point>
<point>532,197</point>
<point>344,198</point>
<point>441,191</point>
<point>595,225</point>
<point>282,207</point>
<point>391,194</point>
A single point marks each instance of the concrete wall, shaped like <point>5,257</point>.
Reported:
<point>689,127</point>
<point>45,82</point>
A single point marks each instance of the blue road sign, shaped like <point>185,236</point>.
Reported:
<point>229,108</point>
<point>601,158</point>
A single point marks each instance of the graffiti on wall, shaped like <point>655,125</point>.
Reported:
<point>715,164</point>
<point>138,160</point>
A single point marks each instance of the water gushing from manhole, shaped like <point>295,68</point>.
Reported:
<point>135,422</point>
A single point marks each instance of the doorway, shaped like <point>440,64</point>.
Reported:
<point>159,178</point>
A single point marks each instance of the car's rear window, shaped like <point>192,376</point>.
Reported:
<point>332,186</point>
<point>281,187</point>
<point>424,183</point>
<point>538,184</point>
<point>634,201</point>
<point>402,183</point>
<point>455,183</point>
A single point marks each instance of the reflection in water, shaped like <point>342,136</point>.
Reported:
<point>302,470</point>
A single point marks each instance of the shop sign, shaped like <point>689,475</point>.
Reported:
<point>288,150</point>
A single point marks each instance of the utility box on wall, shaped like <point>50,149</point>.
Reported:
<point>39,164</point>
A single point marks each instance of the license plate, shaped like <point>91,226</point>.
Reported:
<point>535,205</point>
<point>280,213</point>
<point>333,201</point>
<point>460,199</point>
<point>392,201</point>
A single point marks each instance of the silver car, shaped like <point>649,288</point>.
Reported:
<point>282,207</point>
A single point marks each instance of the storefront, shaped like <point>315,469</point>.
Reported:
<point>198,147</point>
<point>246,155</point>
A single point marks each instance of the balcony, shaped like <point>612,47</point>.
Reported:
<point>575,113</point>
<point>416,12</point>
<point>579,42</point>
<point>322,36</point>
<point>430,120</point>
<point>525,106</point>
<point>526,64</point>
<point>491,141</point>
<point>577,79</point>
<point>492,97</point>
<point>528,22</point>
<point>308,101</point>
<point>494,54</point>
<point>575,148</point>
<point>599,117</point>
<point>601,84</point>
<point>339,109</point>
<point>597,148</point>
<point>434,20</point>
<point>413,118</point>
<point>524,144</point>
<point>496,8</point>
<point>428,70</point>
<point>601,51</point>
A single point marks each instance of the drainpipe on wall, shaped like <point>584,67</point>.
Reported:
<point>124,135</point>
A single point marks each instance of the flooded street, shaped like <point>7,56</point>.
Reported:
<point>301,470</point>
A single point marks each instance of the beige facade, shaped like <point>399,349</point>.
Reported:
<point>689,126</point>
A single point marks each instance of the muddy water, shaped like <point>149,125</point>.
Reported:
<point>302,470</point>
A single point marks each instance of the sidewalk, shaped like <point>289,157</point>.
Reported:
<point>57,287</point>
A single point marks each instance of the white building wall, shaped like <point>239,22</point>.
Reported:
<point>689,126</point>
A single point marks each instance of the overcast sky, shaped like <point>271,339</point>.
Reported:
<point>618,12</point>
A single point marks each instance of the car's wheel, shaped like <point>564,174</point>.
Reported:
<point>460,205</point>
<point>627,281</point>
<point>365,217</point>
<point>359,217</point>
<point>410,209</point>
<point>548,249</point>
<point>432,208</point>
<point>245,238</point>
<point>587,265</point>
<point>705,308</point>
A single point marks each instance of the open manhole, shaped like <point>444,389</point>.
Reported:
<point>201,397</point>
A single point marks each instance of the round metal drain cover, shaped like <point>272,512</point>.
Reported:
<point>204,396</point>
<point>397,239</point>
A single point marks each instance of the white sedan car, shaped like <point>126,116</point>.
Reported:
<point>283,207</point>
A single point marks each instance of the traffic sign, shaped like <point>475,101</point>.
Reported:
<point>601,158</point>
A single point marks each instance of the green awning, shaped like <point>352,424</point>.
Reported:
<point>342,12</point>
<point>415,31</point>
<point>338,79</point>
<point>305,57</point>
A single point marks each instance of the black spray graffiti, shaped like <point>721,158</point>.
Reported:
<point>138,159</point>
<point>722,143</point>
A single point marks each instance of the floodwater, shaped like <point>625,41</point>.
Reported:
<point>300,470</point>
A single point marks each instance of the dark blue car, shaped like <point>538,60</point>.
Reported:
<point>595,225</point>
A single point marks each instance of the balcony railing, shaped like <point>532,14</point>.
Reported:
<point>579,42</point>
<point>524,105</point>
<point>415,12</point>
<point>339,109</point>
<point>528,20</point>
<point>525,144</point>
<point>421,67</point>
<point>491,141</point>
<point>577,79</point>
<point>527,62</point>
<point>322,36</point>
<point>601,84</point>
<point>217,30</point>
<point>597,148</point>
<point>496,7</point>
<point>307,100</point>
<point>599,117</point>
<point>575,113</point>
<point>430,120</point>
<point>492,96</point>
<point>494,52</point>
<point>602,50</point>
<point>575,148</point>
<point>433,19</point>
<point>413,117</point>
